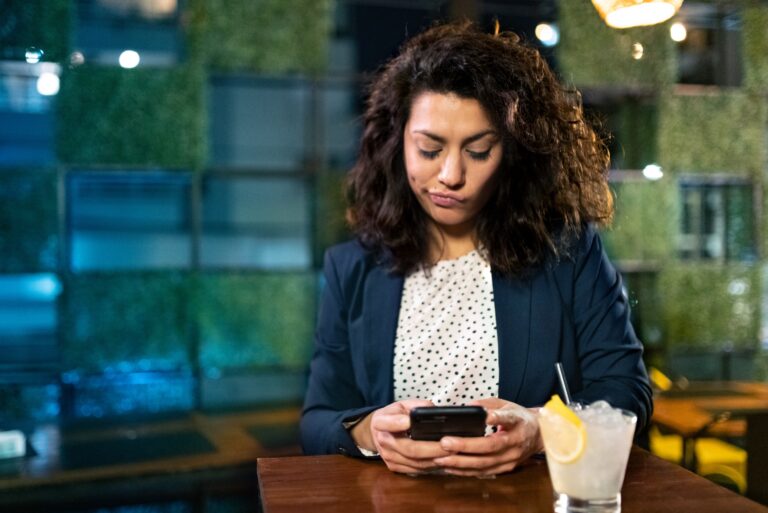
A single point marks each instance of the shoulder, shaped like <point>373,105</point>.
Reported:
<point>353,258</point>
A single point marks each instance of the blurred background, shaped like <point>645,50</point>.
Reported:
<point>170,175</point>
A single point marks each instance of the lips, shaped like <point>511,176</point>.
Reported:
<point>445,199</point>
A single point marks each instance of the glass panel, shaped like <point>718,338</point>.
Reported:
<point>29,239</point>
<point>28,325</point>
<point>129,220</point>
<point>717,222</point>
<point>711,51</point>
<point>259,124</point>
<point>741,224</point>
<point>341,115</point>
<point>252,222</point>
<point>105,28</point>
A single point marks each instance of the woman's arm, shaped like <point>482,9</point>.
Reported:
<point>609,353</point>
<point>332,394</point>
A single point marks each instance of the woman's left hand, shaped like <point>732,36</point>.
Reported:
<point>516,439</point>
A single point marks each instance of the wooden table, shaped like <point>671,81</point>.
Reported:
<point>320,484</point>
<point>690,413</point>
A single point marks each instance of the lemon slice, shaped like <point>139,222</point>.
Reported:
<point>563,431</point>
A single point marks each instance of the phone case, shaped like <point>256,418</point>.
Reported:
<point>434,422</point>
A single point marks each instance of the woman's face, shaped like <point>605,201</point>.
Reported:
<point>452,155</point>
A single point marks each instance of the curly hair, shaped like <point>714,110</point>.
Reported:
<point>553,174</point>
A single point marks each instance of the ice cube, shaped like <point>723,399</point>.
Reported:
<point>600,405</point>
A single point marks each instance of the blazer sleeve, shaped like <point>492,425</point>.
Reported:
<point>333,397</point>
<point>609,353</point>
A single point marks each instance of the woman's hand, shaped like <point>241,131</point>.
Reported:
<point>384,431</point>
<point>517,438</point>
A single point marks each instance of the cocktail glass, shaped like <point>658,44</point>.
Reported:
<point>589,478</point>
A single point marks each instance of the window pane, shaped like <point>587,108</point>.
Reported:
<point>255,222</point>
<point>105,28</point>
<point>28,326</point>
<point>711,50</point>
<point>717,221</point>
<point>259,123</point>
<point>341,111</point>
<point>129,220</point>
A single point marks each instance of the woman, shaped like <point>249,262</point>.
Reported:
<point>476,266</point>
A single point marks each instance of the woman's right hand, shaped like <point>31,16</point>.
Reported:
<point>385,431</point>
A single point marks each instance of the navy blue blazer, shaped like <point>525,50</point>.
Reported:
<point>573,311</point>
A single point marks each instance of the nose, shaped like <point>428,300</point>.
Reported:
<point>452,172</point>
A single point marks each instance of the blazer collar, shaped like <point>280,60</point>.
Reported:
<point>512,301</point>
<point>382,304</point>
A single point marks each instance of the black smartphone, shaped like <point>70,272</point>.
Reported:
<point>434,422</point>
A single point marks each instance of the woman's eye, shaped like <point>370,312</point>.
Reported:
<point>479,155</point>
<point>429,154</point>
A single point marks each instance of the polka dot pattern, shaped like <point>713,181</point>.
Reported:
<point>446,346</point>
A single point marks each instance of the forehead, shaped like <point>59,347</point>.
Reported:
<point>448,114</point>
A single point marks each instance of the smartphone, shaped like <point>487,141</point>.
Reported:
<point>434,422</point>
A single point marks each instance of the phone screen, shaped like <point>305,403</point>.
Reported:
<point>434,422</point>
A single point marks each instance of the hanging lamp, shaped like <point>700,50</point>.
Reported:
<point>634,13</point>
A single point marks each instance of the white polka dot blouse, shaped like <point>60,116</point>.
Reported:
<point>446,346</point>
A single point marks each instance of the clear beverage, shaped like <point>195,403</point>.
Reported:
<point>592,481</point>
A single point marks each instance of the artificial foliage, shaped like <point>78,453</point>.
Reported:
<point>127,321</point>
<point>252,320</point>
<point>29,240</point>
<point>35,24</point>
<point>711,306</point>
<point>719,131</point>
<point>633,126</point>
<point>641,204</point>
<point>592,54</point>
<point>143,117</point>
<point>267,36</point>
<point>755,46</point>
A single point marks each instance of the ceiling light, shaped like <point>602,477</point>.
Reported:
<point>635,13</point>
<point>678,32</point>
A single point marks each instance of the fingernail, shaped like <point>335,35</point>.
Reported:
<point>447,444</point>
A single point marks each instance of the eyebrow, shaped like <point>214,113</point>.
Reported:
<point>467,140</point>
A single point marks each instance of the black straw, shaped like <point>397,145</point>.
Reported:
<point>563,383</point>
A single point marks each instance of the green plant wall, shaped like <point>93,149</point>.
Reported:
<point>29,239</point>
<point>252,320</point>
<point>41,24</point>
<point>127,321</point>
<point>273,36</point>
<point>642,204</point>
<point>755,46</point>
<point>711,305</point>
<point>142,117</point>
<point>592,54</point>
<point>720,132</point>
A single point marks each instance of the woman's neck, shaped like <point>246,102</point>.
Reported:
<point>450,244</point>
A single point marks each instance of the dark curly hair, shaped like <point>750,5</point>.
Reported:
<point>553,175</point>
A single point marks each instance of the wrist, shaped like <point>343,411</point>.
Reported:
<point>362,436</point>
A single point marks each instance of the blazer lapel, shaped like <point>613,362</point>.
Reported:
<point>512,299</point>
<point>382,304</point>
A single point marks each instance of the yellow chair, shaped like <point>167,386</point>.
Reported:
<point>719,461</point>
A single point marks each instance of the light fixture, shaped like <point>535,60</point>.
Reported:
<point>129,59</point>
<point>547,33</point>
<point>678,32</point>
<point>653,172</point>
<point>635,13</point>
<point>48,83</point>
